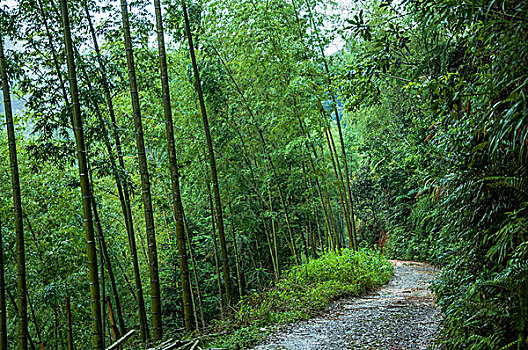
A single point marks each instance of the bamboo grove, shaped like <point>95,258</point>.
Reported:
<point>160,161</point>
<point>207,142</point>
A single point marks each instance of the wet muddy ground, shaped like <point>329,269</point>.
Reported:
<point>399,316</point>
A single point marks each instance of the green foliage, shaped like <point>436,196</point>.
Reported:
<point>264,78</point>
<point>446,158</point>
<point>304,291</point>
<point>436,134</point>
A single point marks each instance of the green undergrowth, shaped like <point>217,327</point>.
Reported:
<point>303,292</point>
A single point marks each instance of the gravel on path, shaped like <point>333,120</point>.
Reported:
<point>399,316</point>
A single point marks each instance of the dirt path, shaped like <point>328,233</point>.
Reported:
<point>399,316</point>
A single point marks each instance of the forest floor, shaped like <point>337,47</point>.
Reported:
<point>399,316</point>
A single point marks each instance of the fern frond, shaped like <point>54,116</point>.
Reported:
<point>516,183</point>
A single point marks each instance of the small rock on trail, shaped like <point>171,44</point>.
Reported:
<point>399,316</point>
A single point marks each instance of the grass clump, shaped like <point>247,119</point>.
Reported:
<point>303,292</point>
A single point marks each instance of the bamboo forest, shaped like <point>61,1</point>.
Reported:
<point>264,174</point>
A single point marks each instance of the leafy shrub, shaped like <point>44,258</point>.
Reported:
<point>303,292</point>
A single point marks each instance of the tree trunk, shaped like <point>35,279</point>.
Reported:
<point>328,229</point>
<point>177,207</point>
<point>274,235</point>
<point>195,275</point>
<point>97,332</point>
<point>311,149</point>
<point>212,163</point>
<point>17,203</point>
<point>122,184</point>
<point>239,271</point>
<point>115,331</point>
<point>272,249</point>
<point>215,251</point>
<point>69,324</point>
<point>332,239</point>
<point>56,317</point>
<point>103,284</point>
<point>127,281</point>
<point>157,325</point>
<point>339,128</point>
<point>15,307</point>
<point>3,315</point>
<point>351,231</point>
<point>106,256</point>
<point>339,180</point>
<point>35,323</point>
<point>309,242</point>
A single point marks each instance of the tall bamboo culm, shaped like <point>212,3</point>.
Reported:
<point>212,163</point>
<point>97,328</point>
<point>3,315</point>
<point>69,333</point>
<point>122,185</point>
<point>157,325</point>
<point>17,203</point>
<point>188,309</point>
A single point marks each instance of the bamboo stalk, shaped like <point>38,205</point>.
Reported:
<point>212,162</point>
<point>123,189</point>
<point>177,207</point>
<point>85,185</point>
<point>115,330</point>
<point>121,340</point>
<point>17,203</point>
<point>195,275</point>
<point>69,331</point>
<point>215,251</point>
<point>3,314</point>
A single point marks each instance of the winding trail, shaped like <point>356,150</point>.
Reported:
<point>399,316</point>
